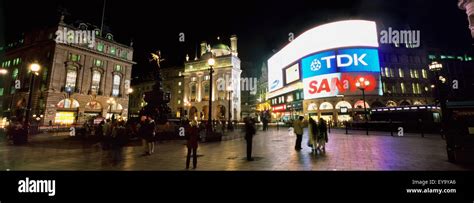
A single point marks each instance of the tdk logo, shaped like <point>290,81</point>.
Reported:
<point>316,65</point>
<point>343,60</point>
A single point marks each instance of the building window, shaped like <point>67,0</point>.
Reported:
<point>112,50</point>
<point>382,72</point>
<point>387,73</point>
<point>402,87</point>
<point>95,81</point>
<point>412,75</point>
<point>116,86</point>
<point>418,88</point>
<point>118,68</point>
<point>98,63</point>
<point>15,73</point>
<point>100,47</point>
<point>74,57</point>
<point>193,79</point>
<point>206,91</point>
<point>424,73</point>
<point>415,73</point>
<point>1,91</point>
<point>71,76</point>
<point>206,77</point>
<point>179,101</point>
<point>391,73</point>
<point>400,72</point>
<point>179,91</point>
<point>384,86</point>
<point>45,74</point>
<point>413,86</point>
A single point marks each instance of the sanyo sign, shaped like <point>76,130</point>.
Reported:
<point>360,34</point>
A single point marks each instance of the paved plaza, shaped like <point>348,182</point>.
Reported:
<point>273,150</point>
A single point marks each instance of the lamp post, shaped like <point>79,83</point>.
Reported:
<point>362,83</point>
<point>436,67</point>
<point>211,62</point>
<point>229,125</point>
<point>129,92</point>
<point>34,68</point>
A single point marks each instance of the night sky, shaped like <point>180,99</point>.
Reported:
<point>262,27</point>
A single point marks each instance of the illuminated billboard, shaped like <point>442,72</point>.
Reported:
<point>350,33</point>
<point>335,72</point>
<point>292,73</point>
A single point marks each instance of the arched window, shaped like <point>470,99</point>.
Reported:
<point>193,91</point>
<point>312,107</point>
<point>71,76</point>
<point>68,104</point>
<point>206,89</point>
<point>391,103</point>
<point>326,106</point>
<point>94,105</point>
<point>95,86</point>
<point>343,104</point>
<point>116,86</point>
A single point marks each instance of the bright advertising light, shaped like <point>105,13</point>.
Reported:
<point>350,33</point>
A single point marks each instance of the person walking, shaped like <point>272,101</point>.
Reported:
<point>313,134</point>
<point>147,131</point>
<point>192,132</point>
<point>322,135</point>
<point>249,133</point>
<point>298,127</point>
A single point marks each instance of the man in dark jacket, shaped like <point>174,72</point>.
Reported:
<point>249,133</point>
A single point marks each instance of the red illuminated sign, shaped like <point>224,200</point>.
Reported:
<point>279,108</point>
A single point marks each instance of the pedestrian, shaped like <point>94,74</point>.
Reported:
<point>323,135</point>
<point>249,133</point>
<point>192,133</point>
<point>313,134</point>
<point>119,139</point>
<point>147,131</point>
<point>298,126</point>
<point>107,133</point>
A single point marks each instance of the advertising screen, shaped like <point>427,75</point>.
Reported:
<point>348,33</point>
<point>292,73</point>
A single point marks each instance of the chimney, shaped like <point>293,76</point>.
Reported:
<point>233,44</point>
<point>203,47</point>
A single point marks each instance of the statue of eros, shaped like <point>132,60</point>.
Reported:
<point>157,57</point>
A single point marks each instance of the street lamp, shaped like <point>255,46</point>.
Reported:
<point>211,62</point>
<point>130,90</point>
<point>362,83</point>
<point>3,71</point>
<point>436,68</point>
<point>34,68</point>
<point>426,92</point>
<point>229,125</point>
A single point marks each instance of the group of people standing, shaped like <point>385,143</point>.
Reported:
<point>317,134</point>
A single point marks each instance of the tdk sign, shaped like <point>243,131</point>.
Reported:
<point>343,60</point>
